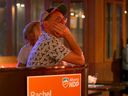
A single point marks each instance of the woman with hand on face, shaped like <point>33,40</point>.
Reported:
<point>49,50</point>
<point>31,33</point>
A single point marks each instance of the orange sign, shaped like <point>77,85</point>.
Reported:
<point>54,85</point>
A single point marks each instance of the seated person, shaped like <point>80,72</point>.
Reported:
<point>49,50</point>
<point>31,33</point>
<point>125,62</point>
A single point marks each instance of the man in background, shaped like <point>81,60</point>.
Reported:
<point>125,62</point>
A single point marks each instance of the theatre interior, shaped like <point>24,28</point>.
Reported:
<point>101,30</point>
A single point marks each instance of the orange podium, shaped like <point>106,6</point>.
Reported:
<point>41,81</point>
<point>54,85</point>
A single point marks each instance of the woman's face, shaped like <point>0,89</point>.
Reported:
<point>33,36</point>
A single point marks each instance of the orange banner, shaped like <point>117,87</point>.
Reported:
<point>54,85</point>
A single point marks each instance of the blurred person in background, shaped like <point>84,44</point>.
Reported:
<point>125,62</point>
<point>31,33</point>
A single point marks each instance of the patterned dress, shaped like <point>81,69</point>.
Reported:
<point>47,51</point>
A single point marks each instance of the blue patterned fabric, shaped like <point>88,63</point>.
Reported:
<point>47,51</point>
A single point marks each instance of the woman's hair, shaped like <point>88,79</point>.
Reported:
<point>30,28</point>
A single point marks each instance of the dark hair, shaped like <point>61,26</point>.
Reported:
<point>45,15</point>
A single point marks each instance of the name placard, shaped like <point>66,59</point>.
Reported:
<point>54,85</point>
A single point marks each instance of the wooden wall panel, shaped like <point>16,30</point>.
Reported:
<point>90,35</point>
<point>96,42</point>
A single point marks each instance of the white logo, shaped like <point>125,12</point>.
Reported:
<point>70,82</point>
